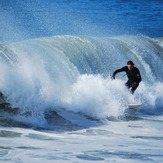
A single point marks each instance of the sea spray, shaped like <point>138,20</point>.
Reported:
<point>73,73</point>
<point>98,97</point>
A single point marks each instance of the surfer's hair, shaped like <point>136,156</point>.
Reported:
<point>130,63</point>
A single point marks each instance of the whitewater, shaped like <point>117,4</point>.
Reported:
<point>63,105</point>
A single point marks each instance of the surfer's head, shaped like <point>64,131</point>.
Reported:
<point>130,65</point>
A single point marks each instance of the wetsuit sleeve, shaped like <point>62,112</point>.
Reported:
<point>119,70</point>
<point>139,76</point>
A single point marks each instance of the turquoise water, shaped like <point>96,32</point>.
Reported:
<point>56,61</point>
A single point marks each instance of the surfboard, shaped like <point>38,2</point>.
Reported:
<point>134,107</point>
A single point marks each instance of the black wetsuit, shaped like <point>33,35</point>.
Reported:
<point>134,77</point>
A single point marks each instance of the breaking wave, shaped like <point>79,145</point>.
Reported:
<point>72,74</point>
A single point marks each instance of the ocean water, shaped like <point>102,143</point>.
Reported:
<point>26,19</point>
<point>60,103</point>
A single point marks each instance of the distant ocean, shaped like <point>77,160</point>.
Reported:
<point>59,102</point>
<point>26,19</point>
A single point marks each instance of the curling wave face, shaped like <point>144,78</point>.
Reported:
<point>73,73</point>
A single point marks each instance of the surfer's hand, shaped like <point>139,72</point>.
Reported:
<point>113,77</point>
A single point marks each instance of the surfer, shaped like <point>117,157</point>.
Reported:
<point>133,74</point>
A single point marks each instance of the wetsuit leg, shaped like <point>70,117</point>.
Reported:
<point>134,87</point>
<point>128,84</point>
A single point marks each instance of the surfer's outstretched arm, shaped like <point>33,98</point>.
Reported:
<point>117,71</point>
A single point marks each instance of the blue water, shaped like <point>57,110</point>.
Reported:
<point>56,60</point>
<point>25,19</point>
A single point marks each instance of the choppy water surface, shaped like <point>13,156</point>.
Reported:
<point>123,141</point>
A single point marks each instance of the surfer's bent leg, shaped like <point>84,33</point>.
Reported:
<point>128,84</point>
<point>134,87</point>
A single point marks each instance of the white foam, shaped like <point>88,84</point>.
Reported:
<point>151,96</point>
<point>98,97</point>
